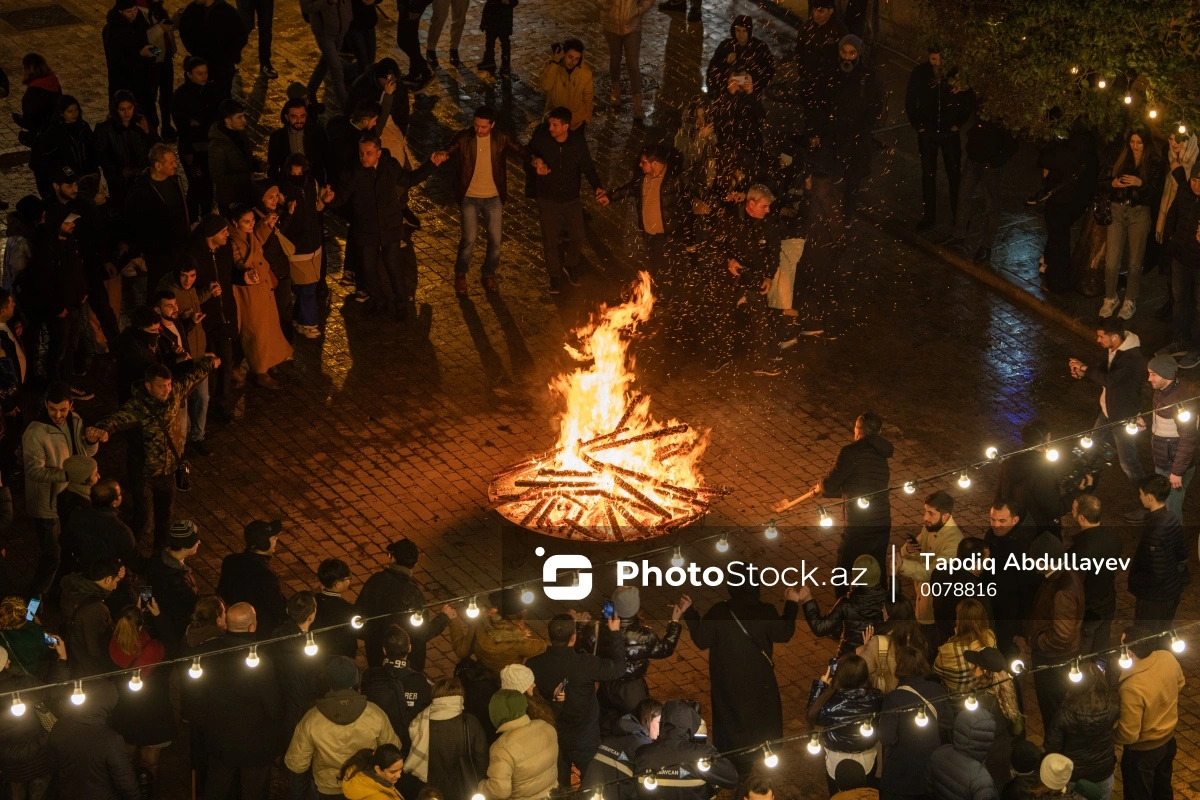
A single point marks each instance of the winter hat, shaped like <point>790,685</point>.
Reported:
<point>1088,790</point>
<point>297,91</point>
<point>627,601</point>
<point>505,706</point>
<point>79,469</point>
<point>258,533</point>
<point>341,673</point>
<point>405,552</point>
<point>182,535</point>
<point>851,39</point>
<point>1056,771</point>
<point>517,677</point>
<point>1025,757</point>
<point>1164,366</point>
<point>871,576</point>
<point>849,774</point>
<point>212,225</point>
<point>989,658</point>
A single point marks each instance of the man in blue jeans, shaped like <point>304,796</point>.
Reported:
<point>1173,430</point>
<point>482,187</point>
<point>1121,374</point>
<point>330,22</point>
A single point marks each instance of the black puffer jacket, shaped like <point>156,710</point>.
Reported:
<point>755,57</point>
<point>862,468</point>
<point>1087,739</point>
<point>641,645</point>
<point>956,770</point>
<point>24,743</point>
<point>1160,562</point>
<point>845,705</point>
<point>863,606</point>
<point>672,758</point>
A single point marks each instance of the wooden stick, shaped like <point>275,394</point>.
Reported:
<point>784,505</point>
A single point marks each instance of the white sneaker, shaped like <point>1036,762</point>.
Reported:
<point>1127,309</point>
<point>1108,307</point>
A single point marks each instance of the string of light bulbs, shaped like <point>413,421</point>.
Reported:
<point>1152,111</point>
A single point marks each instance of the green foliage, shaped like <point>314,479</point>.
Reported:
<point>1019,56</point>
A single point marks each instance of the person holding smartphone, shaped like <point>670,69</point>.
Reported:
<point>1135,183</point>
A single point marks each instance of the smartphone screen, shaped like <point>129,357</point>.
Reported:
<point>833,662</point>
<point>146,594</point>
<point>51,640</point>
<point>609,609</point>
<point>32,609</point>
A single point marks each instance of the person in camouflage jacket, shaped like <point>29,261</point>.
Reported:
<point>159,408</point>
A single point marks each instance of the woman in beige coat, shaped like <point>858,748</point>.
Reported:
<point>523,761</point>
<point>258,315</point>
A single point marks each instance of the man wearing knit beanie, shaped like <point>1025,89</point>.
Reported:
<point>82,475</point>
<point>856,105</point>
<point>1173,440</point>
<point>523,761</point>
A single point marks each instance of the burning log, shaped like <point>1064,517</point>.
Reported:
<point>613,524</point>
<point>537,509</point>
<point>629,409</point>
<point>554,484</point>
<point>643,437</point>
<point>632,519</point>
<point>562,473</point>
<point>634,492</point>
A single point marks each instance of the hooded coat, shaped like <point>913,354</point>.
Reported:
<point>614,760</point>
<point>747,709</point>
<point>522,762</point>
<point>956,770</point>
<point>672,758</point>
<point>755,57</point>
<point>89,755</point>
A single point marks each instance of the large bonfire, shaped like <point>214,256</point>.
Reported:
<point>616,472</point>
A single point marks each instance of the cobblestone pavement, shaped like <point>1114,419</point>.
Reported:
<point>386,429</point>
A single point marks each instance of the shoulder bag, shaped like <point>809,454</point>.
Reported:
<point>183,470</point>
<point>751,638</point>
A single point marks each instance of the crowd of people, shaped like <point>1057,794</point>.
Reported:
<point>162,238</point>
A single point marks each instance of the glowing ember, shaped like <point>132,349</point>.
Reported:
<point>616,472</point>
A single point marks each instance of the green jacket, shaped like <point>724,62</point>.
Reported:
<point>156,417</point>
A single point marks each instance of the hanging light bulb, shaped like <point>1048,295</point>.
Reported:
<point>826,520</point>
<point>771,532</point>
<point>356,622</point>
<point>1182,128</point>
<point>472,609</point>
<point>991,452</point>
<point>1125,661</point>
<point>1183,415</point>
<point>135,683</point>
<point>252,658</point>
<point>922,718</point>
<point>814,744</point>
<point>1128,99</point>
<point>18,708</point>
<point>1131,427</point>
<point>597,795</point>
<point>971,703</point>
<point>1177,644</point>
<point>1102,84</point>
<point>310,646</point>
<point>704,765</point>
<point>723,544</point>
<point>527,595</point>
<point>1052,454</point>
<point>910,488</point>
<point>650,782</point>
<point>1086,442</point>
<point>1153,113</point>
<point>77,695</point>
<point>964,481</point>
<point>478,796</point>
<point>1017,666</point>
<point>770,759</point>
<point>677,559</point>
<point>1076,674</point>
<point>864,502</point>
<point>1074,70</point>
<point>195,671</point>
<point>867,729</point>
<point>417,619</point>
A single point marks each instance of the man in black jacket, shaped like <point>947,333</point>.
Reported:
<point>1184,252</point>
<point>817,56</point>
<point>381,84</point>
<point>656,190</point>
<point>171,579</point>
<point>568,680</point>
<point>1099,543</point>
<point>301,675</point>
<point>856,104</point>
<point>231,158</point>
<point>753,257</point>
<point>247,577</point>
<point>989,147</point>
<point>740,51</point>
<point>1173,439</point>
<point>1121,374</point>
<point>393,591</point>
<point>97,532</point>
<point>138,348</point>
<point>560,158</point>
<point>89,755</point>
<point>64,290</point>
<point>212,30</point>
<point>194,110</point>
<point>860,477</point>
<point>936,110</point>
<point>1033,481</point>
<point>672,758</point>
<point>1010,534</point>
<point>333,609</point>
<point>1158,571</point>
<point>375,196</point>
<point>397,688</point>
<point>297,135</point>
<point>619,745</point>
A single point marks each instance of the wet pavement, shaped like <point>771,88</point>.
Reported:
<point>386,429</point>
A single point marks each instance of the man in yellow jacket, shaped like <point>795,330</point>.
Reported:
<point>1149,696</point>
<point>567,82</point>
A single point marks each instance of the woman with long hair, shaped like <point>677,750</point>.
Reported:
<point>996,693</point>
<point>900,629</point>
<point>42,91</point>
<point>123,144</point>
<point>972,631</point>
<point>844,696</point>
<point>907,746</point>
<point>67,141</point>
<point>143,715</point>
<point>258,315</point>
<point>1133,184</point>
<point>1082,730</point>
<point>372,774</point>
<point>23,639</point>
<point>442,736</point>
<point>273,211</point>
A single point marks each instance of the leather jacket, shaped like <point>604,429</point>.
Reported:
<point>641,645</point>
<point>843,706</point>
<point>1086,739</point>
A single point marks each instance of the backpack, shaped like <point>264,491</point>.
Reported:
<point>387,692</point>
